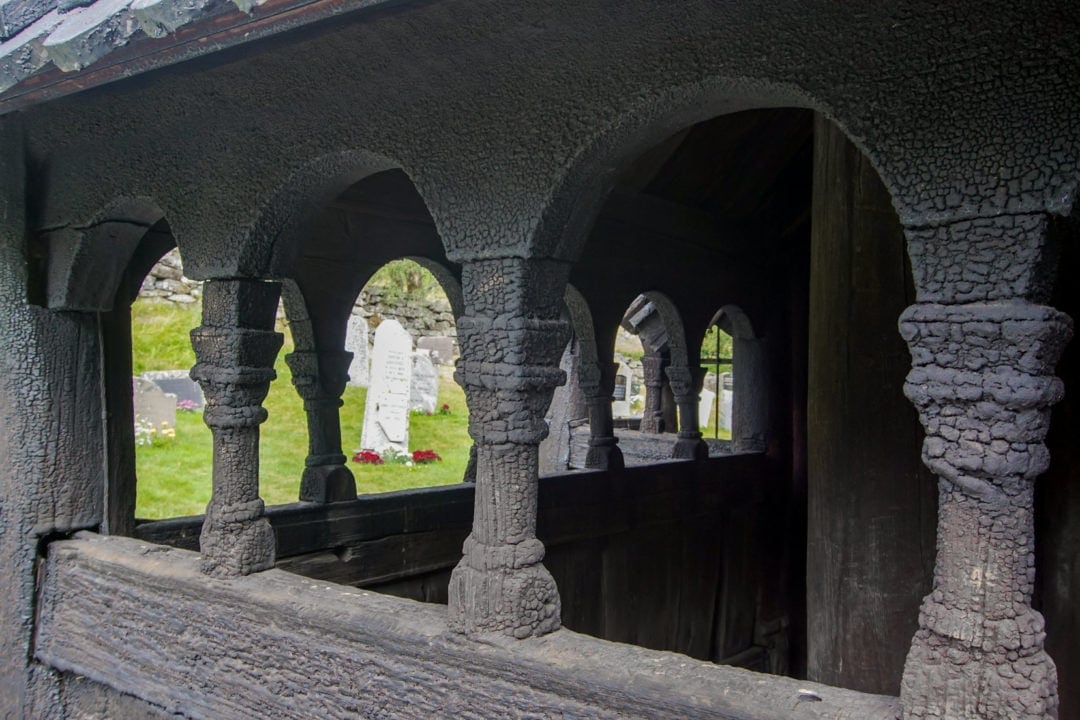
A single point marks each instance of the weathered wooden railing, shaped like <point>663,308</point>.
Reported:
<point>143,619</point>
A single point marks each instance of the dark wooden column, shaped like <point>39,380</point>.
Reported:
<point>235,349</point>
<point>686,386</point>
<point>652,418</point>
<point>320,379</point>
<point>597,385</point>
<point>983,351</point>
<point>511,337</point>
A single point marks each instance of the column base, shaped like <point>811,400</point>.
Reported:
<point>945,677</point>
<point>240,546</point>
<point>327,484</point>
<point>604,454</point>
<point>687,448</point>
<point>503,589</point>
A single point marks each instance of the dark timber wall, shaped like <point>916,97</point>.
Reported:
<point>872,509</point>
<point>661,556</point>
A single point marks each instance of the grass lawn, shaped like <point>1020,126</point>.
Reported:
<point>174,479</point>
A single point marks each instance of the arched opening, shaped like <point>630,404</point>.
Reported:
<point>404,418</point>
<point>734,399</point>
<point>728,213</point>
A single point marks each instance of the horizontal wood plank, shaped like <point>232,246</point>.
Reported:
<point>142,619</point>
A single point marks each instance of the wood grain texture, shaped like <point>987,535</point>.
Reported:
<point>143,620</point>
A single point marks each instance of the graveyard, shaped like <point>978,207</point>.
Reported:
<point>174,478</point>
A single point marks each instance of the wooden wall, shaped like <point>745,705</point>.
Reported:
<point>662,557</point>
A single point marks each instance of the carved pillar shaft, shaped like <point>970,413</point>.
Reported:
<point>511,338</point>
<point>982,379</point>
<point>320,379</point>
<point>686,386</point>
<point>597,386</point>
<point>235,349</point>
<point>652,418</point>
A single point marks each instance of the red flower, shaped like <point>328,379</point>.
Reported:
<point>422,457</point>
<point>367,457</point>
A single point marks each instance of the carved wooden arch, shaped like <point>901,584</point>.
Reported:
<point>580,316</point>
<point>96,266</point>
<point>272,246</point>
<point>750,404</point>
<point>673,325</point>
<point>654,116</point>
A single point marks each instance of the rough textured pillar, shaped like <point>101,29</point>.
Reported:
<point>871,503</point>
<point>511,337</point>
<point>320,379</point>
<point>652,417</point>
<point>235,349</point>
<point>597,385</point>
<point>686,386</point>
<point>983,351</point>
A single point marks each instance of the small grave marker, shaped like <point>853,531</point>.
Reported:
<point>154,408</point>
<point>180,384</point>
<point>441,347</point>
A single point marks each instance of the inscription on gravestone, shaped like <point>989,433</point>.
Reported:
<point>386,412</point>
<point>620,401</point>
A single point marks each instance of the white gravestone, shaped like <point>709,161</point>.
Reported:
<point>356,342</point>
<point>705,408</point>
<point>386,413</point>
<point>620,398</point>
<point>424,396</point>
<point>727,396</point>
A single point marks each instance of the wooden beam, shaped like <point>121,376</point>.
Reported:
<point>572,507</point>
<point>142,619</point>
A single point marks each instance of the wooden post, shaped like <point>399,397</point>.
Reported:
<point>320,379</point>
<point>511,335</point>
<point>983,350</point>
<point>235,349</point>
<point>686,385</point>
<point>597,387</point>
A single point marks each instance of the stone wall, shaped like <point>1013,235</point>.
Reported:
<point>427,317</point>
<point>422,317</point>
<point>166,281</point>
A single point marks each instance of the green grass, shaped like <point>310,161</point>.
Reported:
<point>174,480</point>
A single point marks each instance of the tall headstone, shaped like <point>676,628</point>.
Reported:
<point>356,342</point>
<point>424,396</point>
<point>705,408</point>
<point>386,413</point>
<point>727,398</point>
